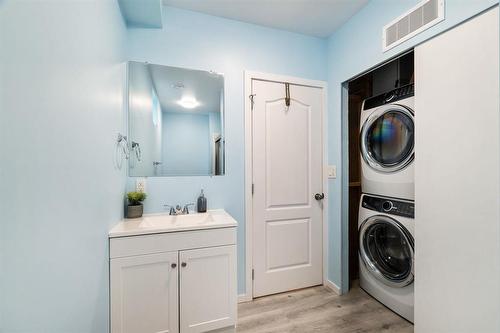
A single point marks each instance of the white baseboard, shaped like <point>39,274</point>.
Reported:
<point>332,286</point>
<point>242,298</point>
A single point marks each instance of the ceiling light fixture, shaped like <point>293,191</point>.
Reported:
<point>178,85</point>
<point>188,102</point>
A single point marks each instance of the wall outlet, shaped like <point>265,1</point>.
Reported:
<point>332,171</point>
<point>140,185</point>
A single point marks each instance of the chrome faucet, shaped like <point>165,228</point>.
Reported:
<point>177,210</point>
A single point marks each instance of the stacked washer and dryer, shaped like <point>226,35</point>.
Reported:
<point>386,213</point>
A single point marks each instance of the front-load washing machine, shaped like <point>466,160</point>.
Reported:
<point>386,252</point>
<point>387,144</point>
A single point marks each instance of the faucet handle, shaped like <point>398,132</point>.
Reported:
<point>185,210</point>
<point>172,209</point>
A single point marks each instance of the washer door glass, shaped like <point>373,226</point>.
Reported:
<point>388,140</point>
<point>387,250</point>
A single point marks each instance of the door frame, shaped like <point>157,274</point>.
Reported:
<point>249,76</point>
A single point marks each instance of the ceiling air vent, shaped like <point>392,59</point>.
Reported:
<point>423,16</point>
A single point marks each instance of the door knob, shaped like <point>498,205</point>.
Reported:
<point>183,264</point>
<point>319,196</point>
<point>174,265</point>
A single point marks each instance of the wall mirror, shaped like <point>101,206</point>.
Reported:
<point>175,120</point>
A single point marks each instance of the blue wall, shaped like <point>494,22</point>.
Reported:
<point>198,41</point>
<point>61,106</point>
<point>353,49</point>
<point>142,14</point>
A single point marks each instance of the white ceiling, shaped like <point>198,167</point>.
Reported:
<point>203,86</point>
<point>311,17</point>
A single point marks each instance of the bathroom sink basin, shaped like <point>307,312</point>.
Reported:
<point>177,220</point>
<point>159,223</point>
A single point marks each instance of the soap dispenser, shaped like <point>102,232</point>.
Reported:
<point>202,203</point>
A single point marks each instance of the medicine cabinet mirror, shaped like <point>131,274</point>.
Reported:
<point>175,120</point>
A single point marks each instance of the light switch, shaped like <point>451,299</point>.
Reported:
<point>140,185</point>
<point>332,171</point>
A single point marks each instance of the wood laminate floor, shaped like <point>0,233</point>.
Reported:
<point>319,310</point>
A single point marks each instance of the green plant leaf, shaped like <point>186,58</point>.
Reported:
<point>135,198</point>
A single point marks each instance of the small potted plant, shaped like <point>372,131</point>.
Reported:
<point>135,207</point>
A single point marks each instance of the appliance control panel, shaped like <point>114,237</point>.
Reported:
<point>389,206</point>
<point>389,97</point>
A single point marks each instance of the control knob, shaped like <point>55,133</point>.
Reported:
<point>387,206</point>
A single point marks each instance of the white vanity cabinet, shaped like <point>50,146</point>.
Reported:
<point>179,281</point>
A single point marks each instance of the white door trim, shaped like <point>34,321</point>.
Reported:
<point>249,75</point>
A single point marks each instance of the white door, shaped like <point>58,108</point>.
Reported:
<point>144,294</point>
<point>207,289</point>
<point>287,174</point>
<point>457,183</point>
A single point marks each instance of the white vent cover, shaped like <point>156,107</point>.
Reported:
<point>421,17</point>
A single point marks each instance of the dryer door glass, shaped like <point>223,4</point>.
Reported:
<point>389,139</point>
<point>388,249</point>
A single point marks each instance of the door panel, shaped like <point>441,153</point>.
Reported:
<point>208,288</point>
<point>144,294</point>
<point>287,172</point>
<point>281,148</point>
<point>457,179</point>
<point>294,252</point>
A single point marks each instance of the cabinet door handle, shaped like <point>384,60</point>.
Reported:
<point>174,265</point>
<point>183,264</point>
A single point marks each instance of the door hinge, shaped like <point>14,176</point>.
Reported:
<point>253,274</point>
<point>253,188</point>
<point>251,101</point>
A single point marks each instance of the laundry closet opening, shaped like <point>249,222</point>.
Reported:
<point>378,83</point>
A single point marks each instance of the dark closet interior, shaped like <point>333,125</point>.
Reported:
<point>393,74</point>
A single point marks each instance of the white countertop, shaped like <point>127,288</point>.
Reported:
<point>160,223</point>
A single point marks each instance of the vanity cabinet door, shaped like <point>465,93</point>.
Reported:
<point>144,294</point>
<point>207,288</point>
